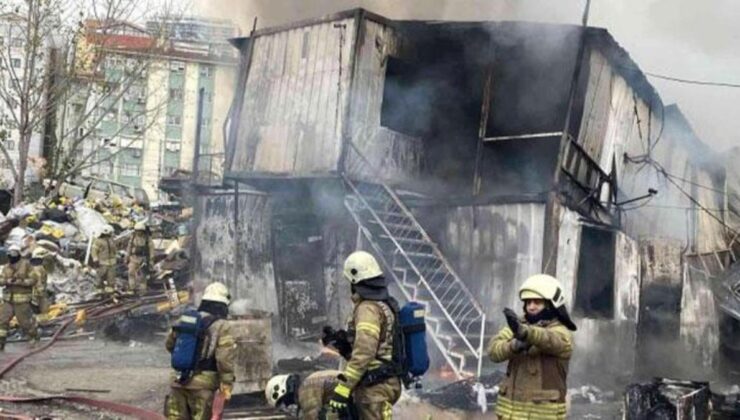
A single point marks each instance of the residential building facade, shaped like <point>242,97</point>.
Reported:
<point>147,125</point>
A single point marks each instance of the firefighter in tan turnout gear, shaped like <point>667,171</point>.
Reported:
<point>18,288</point>
<point>140,254</point>
<point>38,274</point>
<point>538,348</point>
<point>311,394</point>
<point>103,255</point>
<point>192,395</point>
<point>370,377</point>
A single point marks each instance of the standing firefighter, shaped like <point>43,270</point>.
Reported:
<point>311,395</point>
<point>202,349</point>
<point>538,348</point>
<point>103,255</point>
<point>38,275</point>
<point>140,254</point>
<point>18,285</point>
<point>370,377</point>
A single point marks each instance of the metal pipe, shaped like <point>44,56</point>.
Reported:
<point>525,136</point>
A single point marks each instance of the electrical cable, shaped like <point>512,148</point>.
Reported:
<point>692,82</point>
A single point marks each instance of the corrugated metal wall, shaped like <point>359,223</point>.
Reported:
<point>617,122</point>
<point>291,121</point>
<point>388,154</point>
<point>494,248</point>
<point>236,251</point>
<point>598,340</point>
<point>699,321</point>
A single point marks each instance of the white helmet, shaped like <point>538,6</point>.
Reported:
<point>217,292</point>
<point>14,249</point>
<point>542,286</point>
<point>361,266</point>
<point>276,388</point>
<point>106,230</point>
<point>39,252</point>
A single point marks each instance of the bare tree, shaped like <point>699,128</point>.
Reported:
<point>80,60</point>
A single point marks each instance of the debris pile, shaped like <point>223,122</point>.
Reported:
<point>67,227</point>
<point>468,394</point>
<point>667,399</point>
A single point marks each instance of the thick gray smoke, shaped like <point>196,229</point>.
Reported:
<point>684,38</point>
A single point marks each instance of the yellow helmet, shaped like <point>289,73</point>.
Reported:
<point>140,226</point>
<point>543,286</point>
<point>276,388</point>
<point>361,266</point>
<point>217,292</point>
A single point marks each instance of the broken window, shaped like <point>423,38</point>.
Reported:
<point>406,98</point>
<point>595,280</point>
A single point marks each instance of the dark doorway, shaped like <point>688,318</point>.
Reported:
<point>298,261</point>
<point>595,281</point>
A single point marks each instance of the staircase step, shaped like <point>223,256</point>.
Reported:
<point>393,225</point>
<point>407,240</point>
<point>391,214</point>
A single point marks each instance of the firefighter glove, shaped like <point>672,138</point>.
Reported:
<point>514,324</point>
<point>518,346</point>
<point>226,390</point>
<point>339,401</point>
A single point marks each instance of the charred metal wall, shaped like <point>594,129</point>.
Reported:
<point>625,127</point>
<point>377,152</point>
<point>604,347</point>
<point>233,246</point>
<point>661,292</point>
<point>699,318</point>
<point>293,113</point>
<point>494,248</point>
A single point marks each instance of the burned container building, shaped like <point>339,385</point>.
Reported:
<point>466,156</point>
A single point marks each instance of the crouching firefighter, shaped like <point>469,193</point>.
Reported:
<point>538,348</point>
<point>202,349</point>
<point>311,395</point>
<point>372,375</point>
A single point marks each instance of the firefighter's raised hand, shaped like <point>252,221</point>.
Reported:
<point>514,324</point>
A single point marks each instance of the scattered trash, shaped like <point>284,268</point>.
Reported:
<point>591,395</point>
<point>467,395</point>
<point>664,399</point>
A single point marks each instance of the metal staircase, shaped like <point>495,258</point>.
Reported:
<point>455,319</point>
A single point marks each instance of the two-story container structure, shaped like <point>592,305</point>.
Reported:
<point>467,155</point>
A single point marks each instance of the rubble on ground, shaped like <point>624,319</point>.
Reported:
<point>672,399</point>
<point>467,395</point>
<point>66,227</point>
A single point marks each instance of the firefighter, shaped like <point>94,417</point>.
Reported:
<point>38,273</point>
<point>140,254</point>
<point>103,255</point>
<point>311,395</point>
<point>193,399</point>
<point>370,377</point>
<point>538,347</point>
<point>18,288</point>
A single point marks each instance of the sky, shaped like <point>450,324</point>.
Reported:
<point>688,39</point>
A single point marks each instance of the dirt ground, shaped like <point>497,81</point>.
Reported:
<point>132,373</point>
<point>137,374</point>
